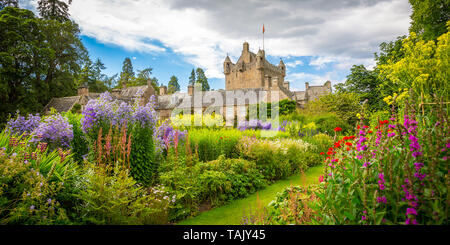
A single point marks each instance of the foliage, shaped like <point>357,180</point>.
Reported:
<point>277,159</point>
<point>396,174</point>
<point>127,72</point>
<point>292,206</point>
<point>327,122</point>
<point>38,59</point>
<point>195,120</point>
<point>201,79</point>
<point>54,10</point>
<point>26,195</point>
<point>54,130</point>
<point>423,69</point>
<point>429,17</point>
<point>364,83</point>
<point>192,78</point>
<point>111,196</point>
<point>173,85</point>
<point>210,144</point>
<point>20,125</point>
<point>344,105</point>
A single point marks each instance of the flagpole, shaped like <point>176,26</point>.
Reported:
<point>263,36</point>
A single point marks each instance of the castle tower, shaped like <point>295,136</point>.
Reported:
<point>252,71</point>
<point>282,67</point>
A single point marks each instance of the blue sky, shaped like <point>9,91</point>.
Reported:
<point>318,40</point>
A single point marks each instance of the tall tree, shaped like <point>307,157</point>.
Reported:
<point>98,67</point>
<point>54,10</point>
<point>9,3</point>
<point>429,17</point>
<point>127,73</point>
<point>364,83</point>
<point>201,78</point>
<point>192,77</point>
<point>142,77</point>
<point>173,85</point>
<point>39,59</point>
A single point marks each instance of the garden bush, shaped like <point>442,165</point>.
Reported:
<point>111,196</point>
<point>395,173</point>
<point>210,144</point>
<point>277,159</point>
<point>26,195</point>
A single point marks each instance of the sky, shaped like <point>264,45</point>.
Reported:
<point>318,40</point>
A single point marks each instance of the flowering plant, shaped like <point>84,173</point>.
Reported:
<point>55,130</point>
<point>20,125</point>
<point>395,173</point>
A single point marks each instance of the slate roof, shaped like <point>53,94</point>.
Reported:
<point>185,101</point>
<point>62,104</point>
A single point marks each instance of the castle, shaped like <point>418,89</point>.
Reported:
<point>252,75</point>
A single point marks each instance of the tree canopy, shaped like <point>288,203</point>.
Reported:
<point>54,10</point>
<point>173,85</point>
<point>39,59</point>
<point>201,78</point>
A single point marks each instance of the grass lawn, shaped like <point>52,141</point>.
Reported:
<point>232,213</point>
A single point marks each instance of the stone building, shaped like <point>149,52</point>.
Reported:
<point>250,80</point>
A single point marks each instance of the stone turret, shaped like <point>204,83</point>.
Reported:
<point>227,65</point>
<point>260,56</point>
<point>282,67</point>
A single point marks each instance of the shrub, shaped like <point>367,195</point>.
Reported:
<point>136,122</point>
<point>26,196</point>
<point>326,123</point>
<point>79,144</point>
<point>76,108</point>
<point>321,141</point>
<point>277,159</point>
<point>111,196</point>
<point>396,174</point>
<point>210,144</point>
<point>55,130</point>
<point>20,125</point>
<point>292,206</point>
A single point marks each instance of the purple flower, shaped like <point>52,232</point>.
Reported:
<point>381,199</point>
<point>390,135</point>
<point>20,125</point>
<point>411,211</point>
<point>55,130</point>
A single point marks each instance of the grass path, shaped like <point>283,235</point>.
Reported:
<point>232,213</point>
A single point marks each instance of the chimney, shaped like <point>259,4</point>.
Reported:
<point>83,90</point>
<point>306,85</point>
<point>286,85</point>
<point>191,90</point>
<point>162,90</point>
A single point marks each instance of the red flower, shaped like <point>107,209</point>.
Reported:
<point>348,148</point>
<point>337,129</point>
<point>358,127</point>
<point>337,145</point>
<point>346,138</point>
<point>349,144</point>
<point>322,153</point>
<point>370,131</point>
<point>321,179</point>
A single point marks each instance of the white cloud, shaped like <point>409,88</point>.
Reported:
<point>294,63</point>
<point>204,31</point>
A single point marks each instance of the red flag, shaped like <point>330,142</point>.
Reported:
<point>263,29</point>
